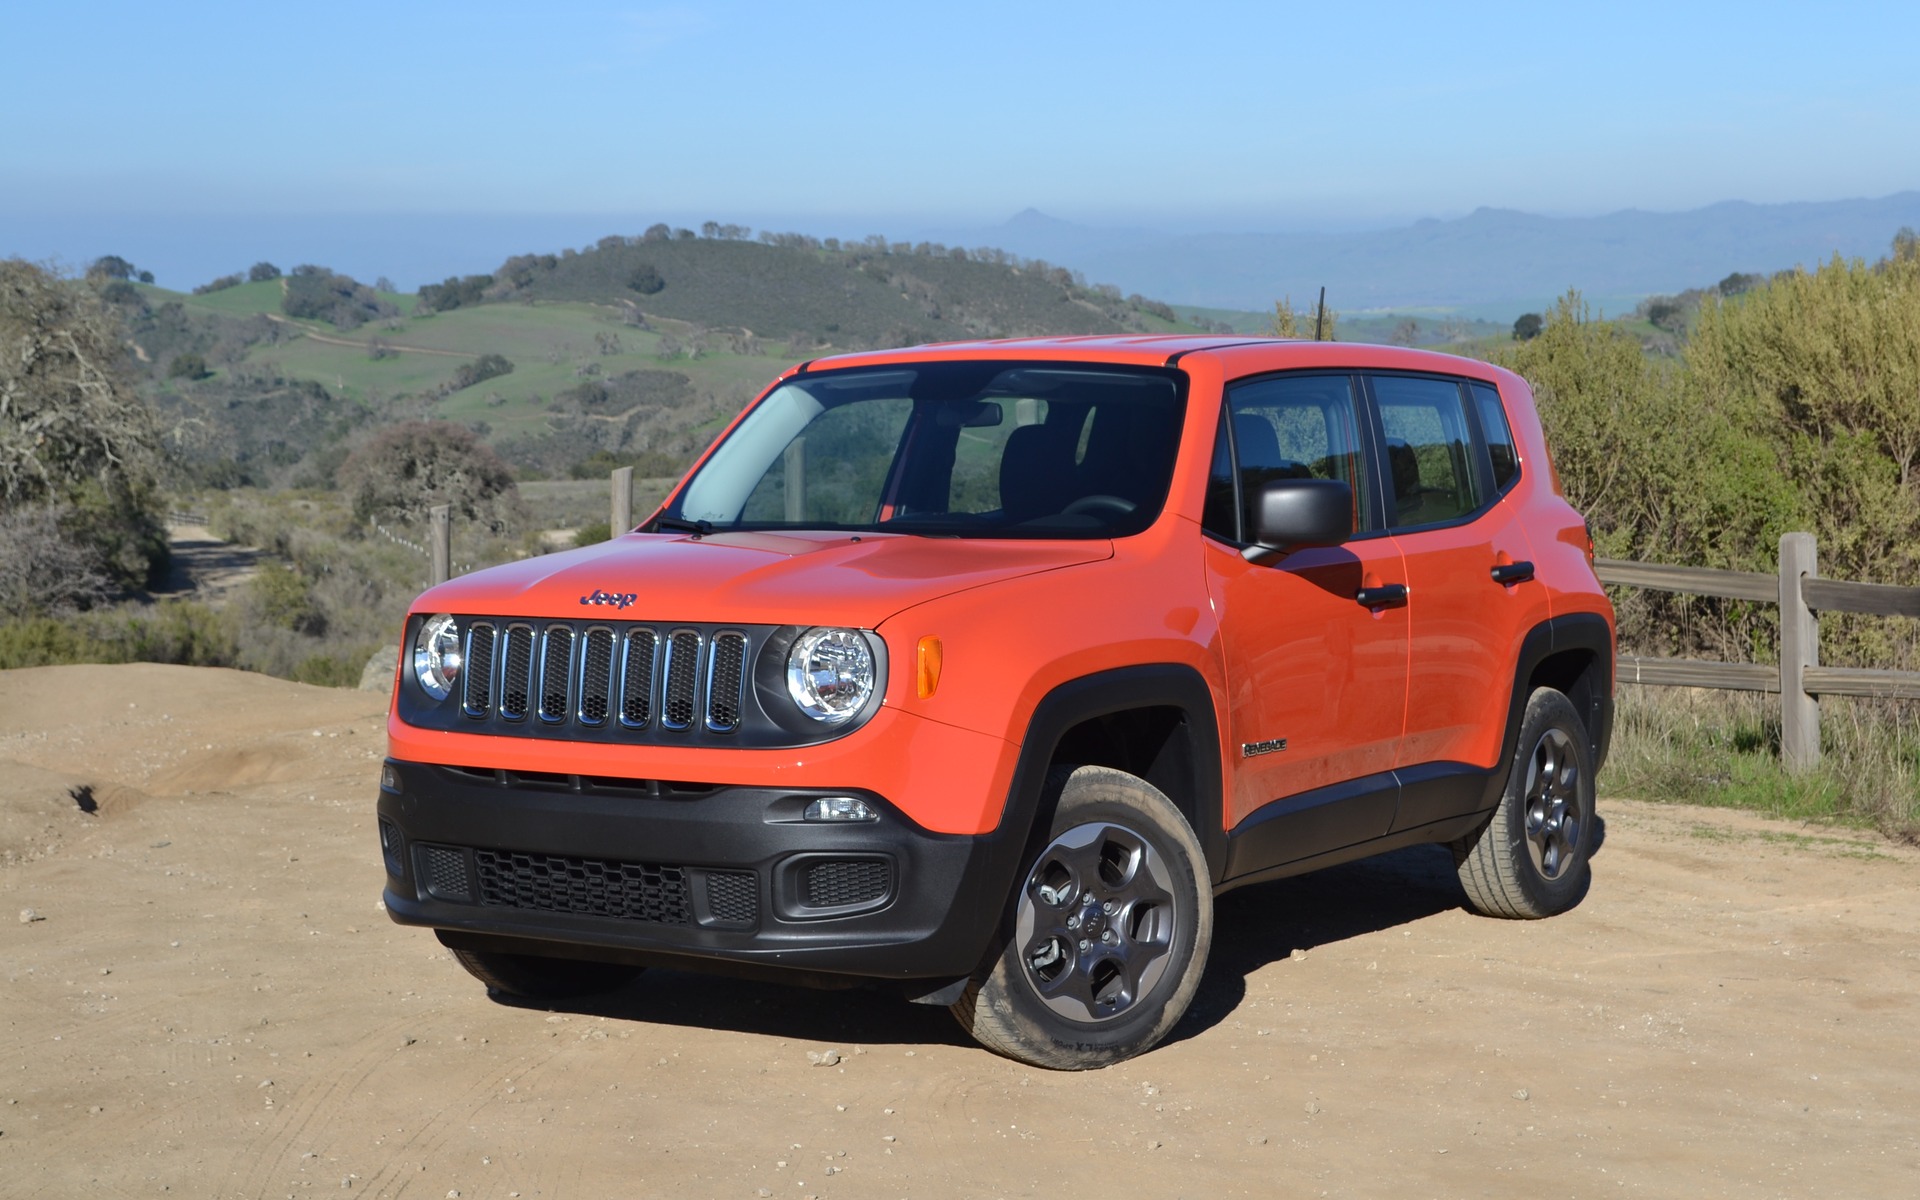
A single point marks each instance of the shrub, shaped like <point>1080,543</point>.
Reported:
<point>260,272</point>
<point>315,293</point>
<point>487,366</point>
<point>219,285</point>
<point>646,279</point>
<point>188,366</point>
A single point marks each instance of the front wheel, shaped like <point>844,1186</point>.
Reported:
<point>1531,858</point>
<point>1111,926</point>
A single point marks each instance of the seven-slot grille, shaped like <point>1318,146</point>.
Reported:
<point>564,674</point>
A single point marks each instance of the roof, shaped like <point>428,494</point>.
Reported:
<point>1237,352</point>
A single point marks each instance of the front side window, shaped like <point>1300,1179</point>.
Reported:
<point>1284,427</point>
<point>955,449</point>
<point>1429,450</point>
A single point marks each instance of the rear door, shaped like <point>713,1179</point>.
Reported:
<point>1448,466</point>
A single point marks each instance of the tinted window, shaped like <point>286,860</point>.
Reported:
<point>1287,427</point>
<point>1429,449</point>
<point>1499,435</point>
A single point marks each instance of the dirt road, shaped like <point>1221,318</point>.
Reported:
<point>211,1003</point>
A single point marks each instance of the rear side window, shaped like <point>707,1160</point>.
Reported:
<point>1286,427</point>
<point>1499,435</point>
<point>1429,450</point>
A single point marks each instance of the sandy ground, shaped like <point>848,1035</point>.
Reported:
<point>211,1003</point>
<point>206,567</point>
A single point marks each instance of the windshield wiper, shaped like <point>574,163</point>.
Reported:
<point>682,524</point>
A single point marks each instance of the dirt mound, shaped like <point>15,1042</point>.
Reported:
<point>40,809</point>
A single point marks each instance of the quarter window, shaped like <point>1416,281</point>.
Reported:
<point>1499,435</point>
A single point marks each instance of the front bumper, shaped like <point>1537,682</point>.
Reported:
<point>637,870</point>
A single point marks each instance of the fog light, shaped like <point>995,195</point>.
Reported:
<point>841,808</point>
<point>390,779</point>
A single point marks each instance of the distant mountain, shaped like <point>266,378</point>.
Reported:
<point>1488,262</point>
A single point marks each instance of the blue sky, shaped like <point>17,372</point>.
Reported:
<point>851,118</point>
<point>1295,114</point>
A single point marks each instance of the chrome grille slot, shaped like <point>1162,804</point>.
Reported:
<point>636,678</point>
<point>677,707</point>
<point>596,675</point>
<point>516,673</point>
<point>725,675</point>
<point>477,672</point>
<point>556,669</point>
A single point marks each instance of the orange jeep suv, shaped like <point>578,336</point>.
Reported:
<point>984,668</point>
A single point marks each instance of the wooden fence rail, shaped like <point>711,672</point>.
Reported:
<point>1799,679</point>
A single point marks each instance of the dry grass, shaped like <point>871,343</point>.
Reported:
<point>1693,746</point>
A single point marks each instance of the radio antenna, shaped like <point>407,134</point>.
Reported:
<point>1320,314</point>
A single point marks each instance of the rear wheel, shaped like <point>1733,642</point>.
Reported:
<point>1531,858</point>
<point>1111,926</point>
<point>536,977</point>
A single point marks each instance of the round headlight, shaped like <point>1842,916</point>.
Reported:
<point>436,655</point>
<point>830,674</point>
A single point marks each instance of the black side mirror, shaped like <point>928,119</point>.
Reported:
<point>1289,514</point>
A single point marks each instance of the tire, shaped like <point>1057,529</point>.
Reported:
<point>1122,864</point>
<point>535,977</point>
<point>1531,859</point>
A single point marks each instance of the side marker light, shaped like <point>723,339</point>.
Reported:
<point>928,674</point>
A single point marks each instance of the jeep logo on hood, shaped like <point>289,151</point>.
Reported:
<point>616,599</point>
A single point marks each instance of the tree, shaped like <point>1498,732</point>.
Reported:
<point>260,272</point>
<point>409,468</point>
<point>1906,244</point>
<point>188,366</point>
<point>1527,326</point>
<point>110,266</point>
<point>646,279</point>
<point>1289,322</point>
<point>75,436</point>
<point>657,232</point>
<point>710,229</point>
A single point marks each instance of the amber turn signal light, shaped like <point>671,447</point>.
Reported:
<point>929,666</point>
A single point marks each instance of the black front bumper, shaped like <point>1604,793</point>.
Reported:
<point>635,871</point>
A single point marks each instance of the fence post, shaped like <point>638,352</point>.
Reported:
<point>442,541</point>
<point>622,519</point>
<point>1799,649</point>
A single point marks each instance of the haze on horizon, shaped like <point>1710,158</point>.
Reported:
<point>868,117</point>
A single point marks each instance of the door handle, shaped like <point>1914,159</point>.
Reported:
<point>1380,597</point>
<point>1513,572</point>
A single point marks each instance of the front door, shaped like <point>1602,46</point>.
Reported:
<point>1316,679</point>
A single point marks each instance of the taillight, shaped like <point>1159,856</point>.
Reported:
<point>1589,534</point>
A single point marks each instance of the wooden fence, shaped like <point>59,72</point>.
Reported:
<point>1799,679</point>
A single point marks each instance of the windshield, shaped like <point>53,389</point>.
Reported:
<point>957,449</point>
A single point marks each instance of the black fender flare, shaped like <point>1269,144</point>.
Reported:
<point>1148,685</point>
<point>1557,635</point>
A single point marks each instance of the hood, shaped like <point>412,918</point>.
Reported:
<point>751,578</point>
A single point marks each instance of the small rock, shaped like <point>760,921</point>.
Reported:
<point>1312,1108</point>
<point>1522,1094</point>
<point>1256,1140</point>
<point>826,1058</point>
<point>28,916</point>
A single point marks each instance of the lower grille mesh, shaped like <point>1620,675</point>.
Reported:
<point>446,872</point>
<point>733,896</point>
<point>839,881</point>
<point>584,886</point>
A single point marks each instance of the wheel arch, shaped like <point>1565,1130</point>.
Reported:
<point>1573,654</point>
<point>1152,720</point>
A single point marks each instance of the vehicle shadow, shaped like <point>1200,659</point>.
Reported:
<point>864,1014</point>
<point>1253,927</point>
<point>1264,923</point>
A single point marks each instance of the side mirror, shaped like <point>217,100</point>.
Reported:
<point>1289,514</point>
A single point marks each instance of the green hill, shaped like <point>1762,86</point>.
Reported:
<point>599,367</point>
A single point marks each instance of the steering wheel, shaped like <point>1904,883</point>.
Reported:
<point>1100,504</point>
